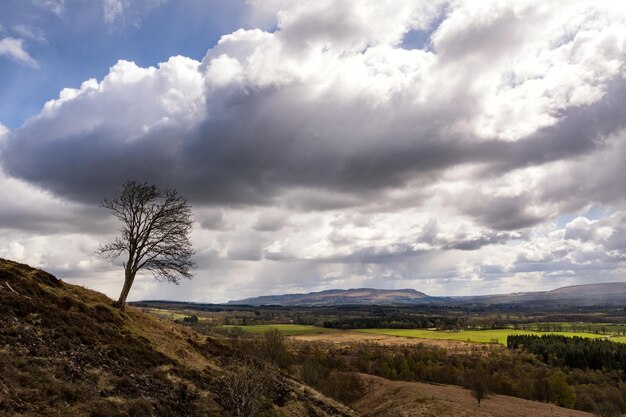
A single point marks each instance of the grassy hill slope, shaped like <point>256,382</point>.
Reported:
<point>384,398</point>
<point>66,351</point>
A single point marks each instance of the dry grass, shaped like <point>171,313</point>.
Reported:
<point>348,338</point>
<point>170,339</point>
<point>414,399</point>
<point>67,351</point>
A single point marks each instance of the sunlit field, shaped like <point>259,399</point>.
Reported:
<point>476,336</point>
<point>165,314</point>
<point>479,336</point>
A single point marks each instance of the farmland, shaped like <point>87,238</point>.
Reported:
<point>285,329</point>
<point>479,336</point>
<point>474,336</point>
<point>451,345</point>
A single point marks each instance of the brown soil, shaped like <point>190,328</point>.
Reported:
<point>413,399</point>
<point>346,338</point>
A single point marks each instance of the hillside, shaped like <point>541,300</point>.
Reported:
<point>340,297</point>
<point>66,351</point>
<point>584,295</point>
<point>612,293</point>
<point>384,398</point>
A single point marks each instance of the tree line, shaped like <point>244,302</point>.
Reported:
<point>573,352</point>
<point>516,371</point>
<point>401,321</point>
<point>518,374</point>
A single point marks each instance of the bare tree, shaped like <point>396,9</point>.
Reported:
<point>154,235</point>
<point>275,349</point>
<point>242,390</point>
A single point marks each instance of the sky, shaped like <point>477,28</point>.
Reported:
<point>456,147</point>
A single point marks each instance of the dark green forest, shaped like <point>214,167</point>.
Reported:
<point>573,352</point>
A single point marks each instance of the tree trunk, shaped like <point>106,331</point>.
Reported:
<point>129,277</point>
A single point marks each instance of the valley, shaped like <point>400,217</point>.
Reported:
<point>435,352</point>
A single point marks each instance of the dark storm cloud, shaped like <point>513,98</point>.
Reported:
<point>581,130</point>
<point>210,219</point>
<point>479,242</point>
<point>247,159</point>
<point>279,143</point>
<point>499,213</point>
<point>259,154</point>
<point>61,221</point>
<point>270,222</point>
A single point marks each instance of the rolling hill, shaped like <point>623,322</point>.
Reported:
<point>584,295</point>
<point>67,351</point>
<point>340,297</point>
<point>612,293</point>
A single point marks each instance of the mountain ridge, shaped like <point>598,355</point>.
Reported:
<point>338,296</point>
<point>586,294</point>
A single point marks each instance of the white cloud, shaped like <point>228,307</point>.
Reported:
<point>14,49</point>
<point>536,59</point>
<point>170,95</point>
<point>55,6</point>
<point>127,12</point>
<point>30,32</point>
<point>323,153</point>
<point>113,10</point>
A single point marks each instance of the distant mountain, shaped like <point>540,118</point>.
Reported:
<point>357,296</point>
<point>613,293</point>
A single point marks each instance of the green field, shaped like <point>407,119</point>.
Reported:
<point>582,327</point>
<point>480,336</point>
<point>284,329</point>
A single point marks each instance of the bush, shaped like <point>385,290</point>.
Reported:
<point>242,390</point>
<point>275,349</point>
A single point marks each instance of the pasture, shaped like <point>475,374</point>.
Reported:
<point>477,336</point>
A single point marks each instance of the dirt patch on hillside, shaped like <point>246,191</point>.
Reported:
<point>346,338</point>
<point>413,399</point>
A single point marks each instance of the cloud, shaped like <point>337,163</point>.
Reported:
<point>113,10</point>
<point>14,49</point>
<point>319,151</point>
<point>55,6</point>
<point>127,11</point>
<point>30,32</point>
<point>30,209</point>
<point>270,221</point>
<point>364,115</point>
